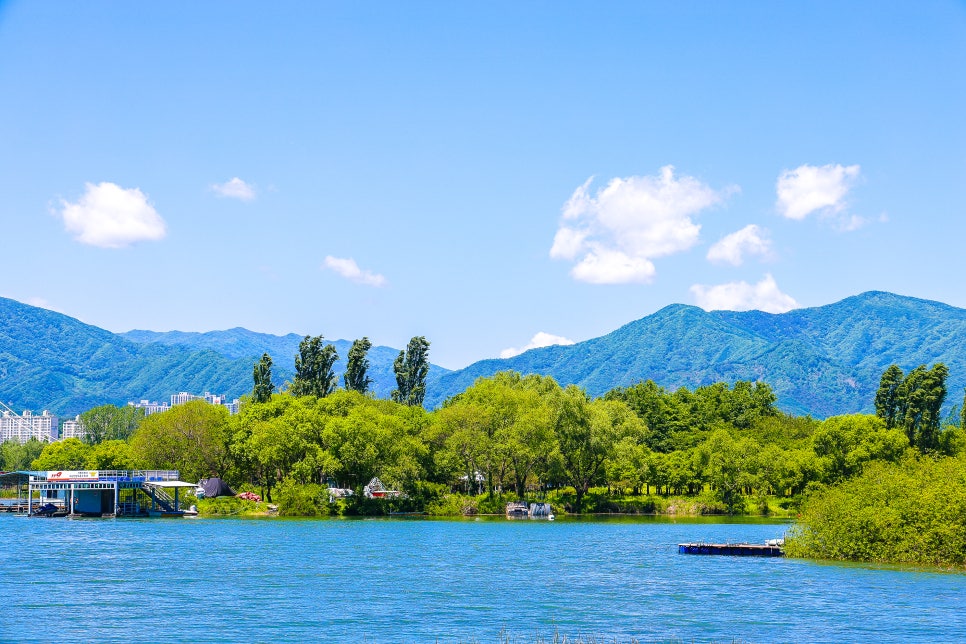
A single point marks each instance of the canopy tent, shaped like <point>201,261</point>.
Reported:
<point>214,486</point>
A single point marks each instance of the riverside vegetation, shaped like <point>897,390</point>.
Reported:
<point>884,487</point>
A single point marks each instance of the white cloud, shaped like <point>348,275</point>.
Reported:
<point>348,269</point>
<point>614,234</point>
<point>809,188</point>
<point>541,339</point>
<point>234,188</point>
<point>603,266</point>
<point>109,216</point>
<point>731,249</point>
<point>742,296</point>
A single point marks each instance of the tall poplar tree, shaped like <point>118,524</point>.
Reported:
<point>262,374</point>
<point>356,377</point>
<point>313,368</point>
<point>921,397</point>
<point>887,398</point>
<point>411,367</point>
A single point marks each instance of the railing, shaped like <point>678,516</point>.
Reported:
<point>114,475</point>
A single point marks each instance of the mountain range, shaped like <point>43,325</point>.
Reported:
<point>821,361</point>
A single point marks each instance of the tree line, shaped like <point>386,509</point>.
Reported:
<point>510,435</point>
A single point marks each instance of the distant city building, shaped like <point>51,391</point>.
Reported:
<point>150,407</point>
<point>23,427</point>
<point>183,397</point>
<point>72,429</point>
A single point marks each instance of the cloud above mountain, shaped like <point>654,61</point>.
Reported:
<point>613,235</point>
<point>109,216</point>
<point>541,339</point>
<point>732,249</point>
<point>742,296</point>
<point>347,268</point>
<point>820,190</point>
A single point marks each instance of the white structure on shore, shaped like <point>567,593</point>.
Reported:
<point>23,427</point>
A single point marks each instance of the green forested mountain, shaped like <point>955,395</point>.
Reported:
<point>820,361</point>
<point>52,361</point>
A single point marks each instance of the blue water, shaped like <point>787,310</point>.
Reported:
<point>229,580</point>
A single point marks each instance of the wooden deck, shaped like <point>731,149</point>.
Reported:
<point>731,549</point>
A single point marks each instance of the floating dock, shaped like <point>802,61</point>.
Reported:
<point>101,492</point>
<point>731,549</point>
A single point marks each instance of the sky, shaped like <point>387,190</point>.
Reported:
<point>492,176</point>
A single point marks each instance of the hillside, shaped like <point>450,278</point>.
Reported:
<point>820,361</point>
<point>52,361</point>
<point>239,343</point>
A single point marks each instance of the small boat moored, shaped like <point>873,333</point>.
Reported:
<point>517,510</point>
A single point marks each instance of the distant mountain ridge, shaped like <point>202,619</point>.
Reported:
<point>52,361</point>
<point>821,361</point>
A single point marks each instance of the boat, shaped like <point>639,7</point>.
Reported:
<point>517,510</point>
<point>541,511</point>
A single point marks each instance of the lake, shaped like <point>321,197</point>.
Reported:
<point>419,580</point>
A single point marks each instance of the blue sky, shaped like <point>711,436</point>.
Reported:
<point>478,173</point>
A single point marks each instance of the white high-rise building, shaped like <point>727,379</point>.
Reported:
<point>182,397</point>
<point>72,429</point>
<point>22,428</point>
<point>150,407</point>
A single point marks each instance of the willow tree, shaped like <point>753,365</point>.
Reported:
<point>412,367</point>
<point>313,368</point>
<point>356,377</point>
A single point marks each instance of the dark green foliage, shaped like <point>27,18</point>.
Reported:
<point>914,403</point>
<point>356,377</point>
<point>921,397</point>
<point>313,368</point>
<point>262,375</point>
<point>411,368</point>
<point>887,398</point>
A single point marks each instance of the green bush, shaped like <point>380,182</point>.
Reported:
<point>226,506</point>
<point>910,512</point>
<point>298,500</point>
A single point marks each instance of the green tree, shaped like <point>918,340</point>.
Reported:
<point>921,396</point>
<point>887,401</point>
<point>587,433</point>
<point>68,454</point>
<point>108,423</point>
<point>111,455</point>
<point>313,368</point>
<point>262,374</point>
<point>962,412</point>
<point>15,456</point>
<point>356,377</point>
<point>411,368</point>
<point>844,444</point>
<point>192,438</point>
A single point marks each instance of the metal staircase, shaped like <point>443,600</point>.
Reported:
<point>160,497</point>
